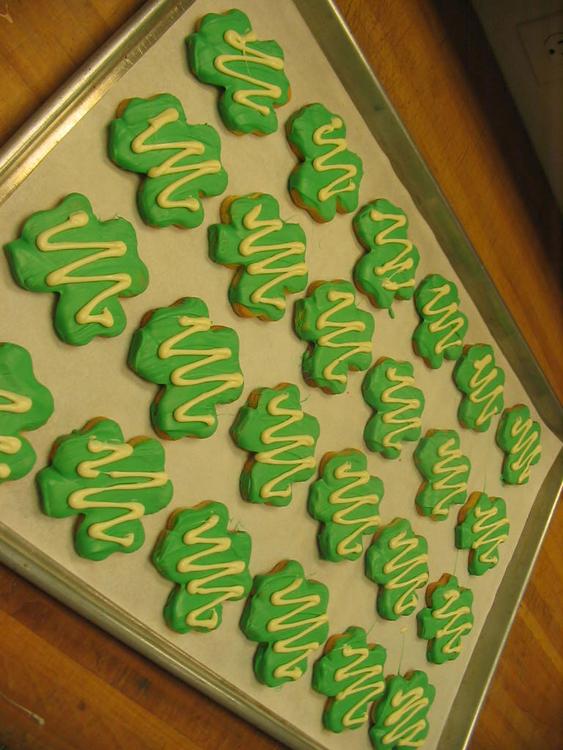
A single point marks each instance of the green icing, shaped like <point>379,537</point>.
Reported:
<point>108,483</point>
<point>447,619</point>
<point>519,437</point>
<point>267,253</point>
<point>25,405</point>
<point>387,270</point>
<point>345,500</point>
<point>328,178</point>
<point>281,439</point>
<point>397,560</point>
<point>182,162</point>
<point>389,388</point>
<point>445,469</point>
<point>400,718</point>
<point>443,327</point>
<point>195,363</point>
<point>207,562</point>
<point>224,52</point>
<point>482,383</point>
<point>88,263</point>
<point>287,615</point>
<point>482,527</point>
<point>350,674</point>
<point>338,332</point>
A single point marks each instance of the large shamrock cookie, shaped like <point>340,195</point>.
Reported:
<point>482,527</point>
<point>224,52</point>
<point>482,383</point>
<point>88,263</point>
<point>519,437</point>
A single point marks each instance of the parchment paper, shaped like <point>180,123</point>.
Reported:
<point>94,381</point>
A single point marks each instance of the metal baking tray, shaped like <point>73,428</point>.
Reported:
<point>50,125</point>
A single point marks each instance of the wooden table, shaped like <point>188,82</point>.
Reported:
<point>64,684</point>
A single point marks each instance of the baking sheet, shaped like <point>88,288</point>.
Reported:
<point>270,353</point>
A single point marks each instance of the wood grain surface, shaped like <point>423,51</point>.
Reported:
<point>64,684</point>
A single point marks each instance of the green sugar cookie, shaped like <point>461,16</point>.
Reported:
<point>481,528</point>
<point>519,437</point>
<point>482,383</point>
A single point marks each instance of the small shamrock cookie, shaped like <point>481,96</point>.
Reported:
<point>286,614</point>
<point>327,179</point>
<point>88,263</point>
<point>482,382</point>
<point>519,437</point>
<point>338,332</point>
<point>267,253</point>
<point>482,526</point>
<point>195,362</point>
<point>109,484</point>
<point>397,560</point>
<point>224,52</point>
<point>350,674</point>
<point>345,500</point>
<point>207,562</point>
<point>446,620</point>
<point>386,272</point>
<point>442,328</point>
<point>389,388</point>
<point>181,162</point>
<point>445,469</point>
<point>400,718</point>
<point>25,405</point>
<point>281,439</point>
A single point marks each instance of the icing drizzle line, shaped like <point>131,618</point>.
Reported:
<point>347,516</point>
<point>407,706</point>
<point>452,630</point>
<point>344,182</point>
<point>396,416</point>
<point>526,448</point>
<point>367,684</point>
<point>403,567</point>
<point>481,393</point>
<point>10,445</point>
<point>401,262</point>
<point>449,482</point>
<point>448,319</point>
<point>489,534</point>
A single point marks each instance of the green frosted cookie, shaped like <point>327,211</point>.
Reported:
<point>482,526</point>
<point>287,615</point>
<point>389,388</point>
<point>224,52</point>
<point>327,179</point>
<point>350,674</point>
<point>267,253</point>
<point>445,469</point>
<point>519,437</point>
<point>195,363</point>
<point>281,439</point>
<point>442,328</point>
<point>88,263</point>
<point>447,619</point>
<point>338,332</point>
<point>25,405</point>
<point>207,562</point>
<point>182,162</point>
<point>345,500</point>
<point>482,382</point>
<point>108,484</point>
<point>387,270</point>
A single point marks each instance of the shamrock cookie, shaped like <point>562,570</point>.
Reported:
<point>224,52</point>
<point>519,437</point>
<point>181,162</point>
<point>345,500</point>
<point>350,674</point>
<point>327,179</point>
<point>482,383</point>
<point>397,560</point>
<point>400,718</point>
<point>108,483</point>
<point>207,562</point>
<point>195,363</point>
<point>339,334</point>
<point>281,439</point>
<point>482,526</point>
<point>287,615</point>
<point>443,327</point>
<point>387,270</point>
<point>25,405</point>
<point>389,388</point>
<point>88,263</point>
<point>445,469</point>
<point>267,253</point>
<point>446,620</point>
